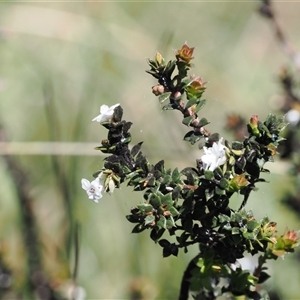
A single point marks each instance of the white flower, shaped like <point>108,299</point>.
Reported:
<point>76,293</point>
<point>214,156</point>
<point>93,189</point>
<point>293,117</point>
<point>105,113</point>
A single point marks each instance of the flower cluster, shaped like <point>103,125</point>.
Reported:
<point>104,181</point>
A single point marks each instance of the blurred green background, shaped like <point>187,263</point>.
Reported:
<point>59,62</point>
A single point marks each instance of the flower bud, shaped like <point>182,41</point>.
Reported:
<point>253,125</point>
<point>290,239</point>
<point>238,182</point>
<point>286,243</point>
<point>159,59</point>
<point>272,149</point>
<point>185,54</point>
<point>197,84</point>
<point>158,89</point>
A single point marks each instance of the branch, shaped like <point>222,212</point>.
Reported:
<point>267,10</point>
<point>185,281</point>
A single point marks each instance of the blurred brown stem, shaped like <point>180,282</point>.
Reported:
<point>185,281</point>
<point>267,10</point>
<point>35,280</point>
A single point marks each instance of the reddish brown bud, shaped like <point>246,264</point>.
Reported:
<point>158,89</point>
<point>185,54</point>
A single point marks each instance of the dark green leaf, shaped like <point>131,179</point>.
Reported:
<point>138,228</point>
<point>133,218</point>
<point>187,120</point>
<point>209,175</point>
<point>118,113</point>
<point>203,122</point>
<point>136,149</point>
<point>237,145</point>
<point>224,183</point>
<point>164,243</point>
<point>157,234</point>
<point>263,276</point>
<point>159,166</point>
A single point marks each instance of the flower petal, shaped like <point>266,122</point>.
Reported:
<point>105,113</point>
<point>85,184</point>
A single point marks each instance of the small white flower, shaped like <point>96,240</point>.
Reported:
<point>106,113</point>
<point>293,117</point>
<point>214,156</point>
<point>93,189</point>
<point>76,293</point>
<point>80,293</point>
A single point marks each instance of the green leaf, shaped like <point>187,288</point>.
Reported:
<point>192,137</point>
<point>168,107</point>
<point>150,219</point>
<point>224,218</point>
<point>252,225</point>
<point>176,175</point>
<point>162,222</point>
<point>136,149</point>
<point>237,145</point>
<point>200,105</point>
<point>191,102</point>
<point>235,230</point>
<point>170,222</point>
<point>203,122</point>
<point>220,191</point>
<point>167,199</point>
<point>155,201</point>
<point>167,179</point>
<point>145,208</point>
<point>209,175</point>
<point>163,97</point>
<point>224,183</point>
<point>187,120</point>
<point>173,211</point>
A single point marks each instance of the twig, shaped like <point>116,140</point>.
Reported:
<point>267,10</point>
<point>185,281</point>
